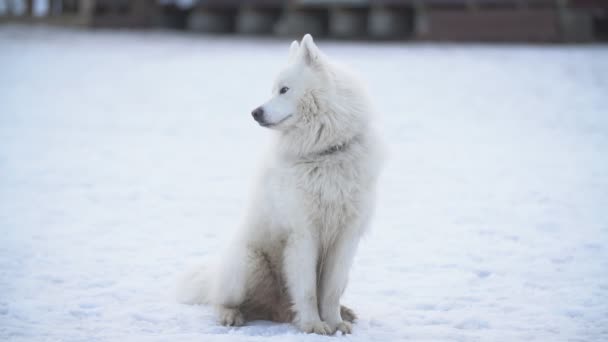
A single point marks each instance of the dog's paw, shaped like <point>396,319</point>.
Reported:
<point>231,317</point>
<point>348,315</point>
<point>315,327</point>
<point>344,327</point>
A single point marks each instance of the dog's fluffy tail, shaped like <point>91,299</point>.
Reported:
<point>194,287</point>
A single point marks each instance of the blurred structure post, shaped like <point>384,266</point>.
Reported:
<point>391,19</point>
<point>55,8</point>
<point>576,24</point>
<point>258,16</point>
<point>121,13</point>
<point>303,16</point>
<point>29,8</point>
<point>214,16</point>
<point>348,19</point>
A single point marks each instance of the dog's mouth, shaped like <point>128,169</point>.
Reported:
<point>274,124</point>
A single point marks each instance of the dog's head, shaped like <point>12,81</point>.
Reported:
<point>293,91</point>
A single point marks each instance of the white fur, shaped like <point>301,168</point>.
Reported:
<point>290,260</point>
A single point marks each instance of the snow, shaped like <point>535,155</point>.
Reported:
<point>126,159</point>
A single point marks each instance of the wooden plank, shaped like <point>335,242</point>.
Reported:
<point>234,4</point>
<point>468,3</point>
<point>588,3</point>
<point>492,25</point>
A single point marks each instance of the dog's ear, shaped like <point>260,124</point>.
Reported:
<point>293,51</point>
<point>310,52</point>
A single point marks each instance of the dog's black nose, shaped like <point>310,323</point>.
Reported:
<point>258,114</point>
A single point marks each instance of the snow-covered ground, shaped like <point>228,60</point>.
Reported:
<point>126,159</point>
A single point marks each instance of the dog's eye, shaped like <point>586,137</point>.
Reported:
<point>283,90</point>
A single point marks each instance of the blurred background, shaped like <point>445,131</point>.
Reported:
<point>453,20</point>
<point>127,154</point>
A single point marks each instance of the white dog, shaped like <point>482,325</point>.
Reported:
<point>291,259</point>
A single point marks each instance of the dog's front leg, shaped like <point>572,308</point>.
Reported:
<point>334,278</point>
<point>300,264</point>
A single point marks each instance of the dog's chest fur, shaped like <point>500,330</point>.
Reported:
<point>328,191</point>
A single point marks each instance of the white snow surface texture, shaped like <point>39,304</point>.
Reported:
<point>126,158</point>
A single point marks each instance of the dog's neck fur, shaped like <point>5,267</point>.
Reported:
<point>320,139</point>
<point>338,148</point>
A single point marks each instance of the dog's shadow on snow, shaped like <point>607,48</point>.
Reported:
<point>262,328</point>
<point>268,328</point>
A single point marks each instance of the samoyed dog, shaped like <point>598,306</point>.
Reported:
<point>290,260</point>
